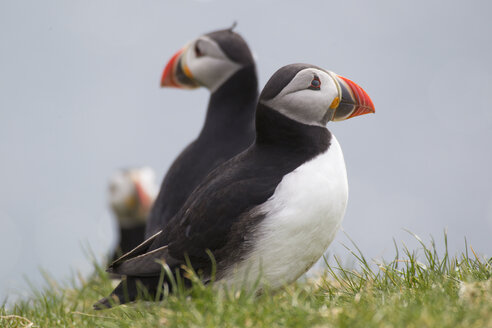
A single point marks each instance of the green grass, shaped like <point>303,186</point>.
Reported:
<point>432,291</point>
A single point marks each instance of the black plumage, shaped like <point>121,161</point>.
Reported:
<point>220,215</point>
<point>129,238</point>
<point>228,129</point>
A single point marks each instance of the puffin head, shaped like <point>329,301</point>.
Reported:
<point>208,61</point>
<point>131,195</point>
<point>314,96</point>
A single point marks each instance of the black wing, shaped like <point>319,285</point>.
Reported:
<point>214,218</point>
<point>139,250</point>
<point>141,261</point>
<point>218,215</point>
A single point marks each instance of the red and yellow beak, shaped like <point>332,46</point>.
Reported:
<point>177,73</point>
<point>143,197</point>
<point>353,100</point>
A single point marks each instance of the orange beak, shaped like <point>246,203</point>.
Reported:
<point>168,76</point>
<point>177,74</point>
<point>143,197</point>
<point>354,101</point>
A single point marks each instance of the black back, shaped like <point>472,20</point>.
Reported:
<point>221,214</point>
<point>228,130</point>
<point>217,215</point>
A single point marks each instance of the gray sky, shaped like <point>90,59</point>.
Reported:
<point>80,97</point>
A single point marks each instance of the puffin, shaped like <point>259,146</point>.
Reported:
<point>131,193</point>
<point>222,62</point>
<point>265,216</point>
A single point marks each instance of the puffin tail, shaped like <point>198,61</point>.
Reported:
<point>128,290</point>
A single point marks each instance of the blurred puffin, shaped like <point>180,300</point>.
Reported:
<point>131,194</point>
<point>222,62</point>
<point>271,211</point>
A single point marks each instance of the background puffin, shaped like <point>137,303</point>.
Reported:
<point>222,62</point>
<point>270,211</point>
<point>131,194</point>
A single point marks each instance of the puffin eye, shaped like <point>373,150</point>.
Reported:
<point>315,84</point>
<point>198,52</point>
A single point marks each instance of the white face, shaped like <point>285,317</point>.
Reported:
<point>131,193</point>
<point>208,64</point>
<point>121,190</point>
<point>308,97</point>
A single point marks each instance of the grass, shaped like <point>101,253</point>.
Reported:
<point>440,291</point>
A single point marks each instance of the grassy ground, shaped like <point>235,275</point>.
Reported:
<point>439,292</point>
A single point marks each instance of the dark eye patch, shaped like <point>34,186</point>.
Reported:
<point>315,84</point>
<point>198,51</point>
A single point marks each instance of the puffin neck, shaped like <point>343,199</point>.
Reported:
<point>232,105</point>
<point>273,128</point>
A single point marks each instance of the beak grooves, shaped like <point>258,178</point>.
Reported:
<point>364,103</point>
<point>167,79</point>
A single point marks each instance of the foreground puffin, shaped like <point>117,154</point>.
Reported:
<point>131,194</point>
<point>222,62</point>
<point>269,212</point>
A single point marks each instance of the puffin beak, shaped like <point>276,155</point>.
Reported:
<point>352,101</point>
<point>177,74</point>
<point>143,198</point>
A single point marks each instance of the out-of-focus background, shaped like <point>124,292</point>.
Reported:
<point>80,98</point>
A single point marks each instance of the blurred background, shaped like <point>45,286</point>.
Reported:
<point>80,98</point>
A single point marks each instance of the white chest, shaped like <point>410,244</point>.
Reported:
<point>302,218</point>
